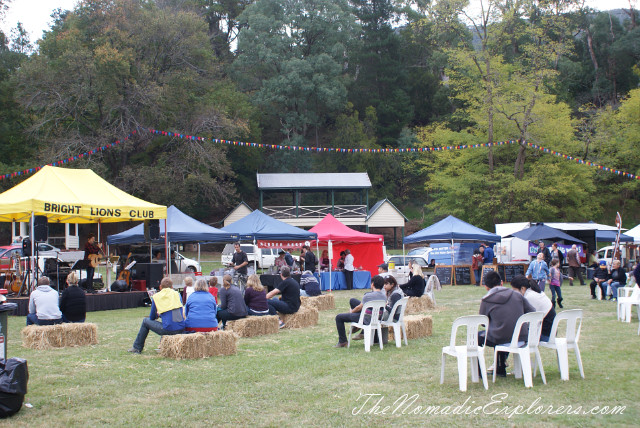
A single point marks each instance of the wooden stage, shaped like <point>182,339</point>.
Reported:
<point>95,302</point>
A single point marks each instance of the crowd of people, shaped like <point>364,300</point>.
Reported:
<point>208,307</point>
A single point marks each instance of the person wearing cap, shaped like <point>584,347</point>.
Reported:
<point>383,269</point>
<point>600,277</point>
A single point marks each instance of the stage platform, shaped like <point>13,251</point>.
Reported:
<point>95,302</point>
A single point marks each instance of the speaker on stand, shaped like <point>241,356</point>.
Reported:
<point>40,228</point>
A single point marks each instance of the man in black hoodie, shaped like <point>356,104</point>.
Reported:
<point>503,306</point>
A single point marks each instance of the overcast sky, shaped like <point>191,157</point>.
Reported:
<point>35,15</point>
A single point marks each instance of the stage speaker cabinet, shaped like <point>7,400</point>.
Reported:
<point>40,228</point>
<point>151,273</point>
<point>26,247</point>
<point>151,230</point>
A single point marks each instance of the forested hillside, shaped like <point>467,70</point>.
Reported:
<point>373,74</point>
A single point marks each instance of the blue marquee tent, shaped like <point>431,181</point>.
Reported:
<point>542,231</point>
<point>451,229</point>
<point>258,225</point>
<point>610,236</point>
<point>182,228</point>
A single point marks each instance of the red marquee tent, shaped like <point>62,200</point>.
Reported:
<point>366,248</point>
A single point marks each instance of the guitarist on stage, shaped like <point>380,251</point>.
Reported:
<point>91,248</point>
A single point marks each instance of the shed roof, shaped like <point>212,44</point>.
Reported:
<point>309,181</point>
<point>377,206</point>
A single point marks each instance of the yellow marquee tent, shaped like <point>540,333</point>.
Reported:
<point>74,196</point>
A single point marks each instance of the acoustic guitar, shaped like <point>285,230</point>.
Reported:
<point>96,259</point>
<point>16,284</point>
<point>125,274</point>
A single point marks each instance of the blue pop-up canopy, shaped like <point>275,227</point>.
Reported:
<point>451,229</point>
<point>610,236</point>
<point>182,228</point>
<point>258,225</point>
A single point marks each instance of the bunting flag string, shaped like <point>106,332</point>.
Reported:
<point>325,150</point>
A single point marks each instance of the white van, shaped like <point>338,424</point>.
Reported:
<point>606,253</point>
<point>264,257</point>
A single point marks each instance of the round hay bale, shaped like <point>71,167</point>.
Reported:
<point>254,326</point>
<point>323,302</point>
<point>421,304</point>
<point>417,326</point>
<point>198,345</point>
<point>59,335</point>
<point>305,317</point>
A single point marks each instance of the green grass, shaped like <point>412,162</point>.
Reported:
<point>296,377</point>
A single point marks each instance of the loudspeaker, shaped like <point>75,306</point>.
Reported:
<point>40,228</point>
<point>26,247</point>
<point>150,272</point>
<point>151,230</point>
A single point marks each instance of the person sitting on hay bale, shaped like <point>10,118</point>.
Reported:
<point>232,305</point>
<point>376,293</point>
<point>166,305</point>
<point>43,305</point>
<point>200,309</point>
<point>188,289</point>
<point>290,300</point>
<point>255,297</point>
<point>73,302</point>
<point>415,286</point>
<point>309,286</point>
<point>213,287</point>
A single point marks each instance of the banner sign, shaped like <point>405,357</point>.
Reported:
<point>281,244</point>
<point>533,249</point>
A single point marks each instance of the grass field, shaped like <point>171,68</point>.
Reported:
<point>297,378</point>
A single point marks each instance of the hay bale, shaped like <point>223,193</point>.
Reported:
<point>417,305</point>
<point>305,317</point>
<point>198,345</point>
<point>323,302</point>
<point>59,335</point>
<point>417,326</point>
<point>254,326</point>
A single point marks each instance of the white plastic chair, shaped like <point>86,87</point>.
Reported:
<point>522,351</point>
<point>432,283</point>
<point>398,326</point>
<point>376,308</point>
<point>472,349</point>
<point>622,292</point>
<point>569,341</point>
<point>625,304</point>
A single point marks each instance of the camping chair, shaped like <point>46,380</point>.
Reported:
<point>569,341</point>
<point>400,305</point>
<point>376,309</point>
<point>472,349</point>
<point>522,351</point>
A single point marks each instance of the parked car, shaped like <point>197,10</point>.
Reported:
<point>420,251</point>
<point>264,257</point>
<point>183,264</point>
<point>402,263</point>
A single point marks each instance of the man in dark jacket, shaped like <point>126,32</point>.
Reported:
<point>544,250</point>
<point>600,277</point>
<point>503,306</point>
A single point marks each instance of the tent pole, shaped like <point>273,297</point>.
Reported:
<point>198,253</point>
<point>330,260</point>
<point>34,267</point>
<point>166,247</point>
<point>452,252</point>
<point>255,268</point>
